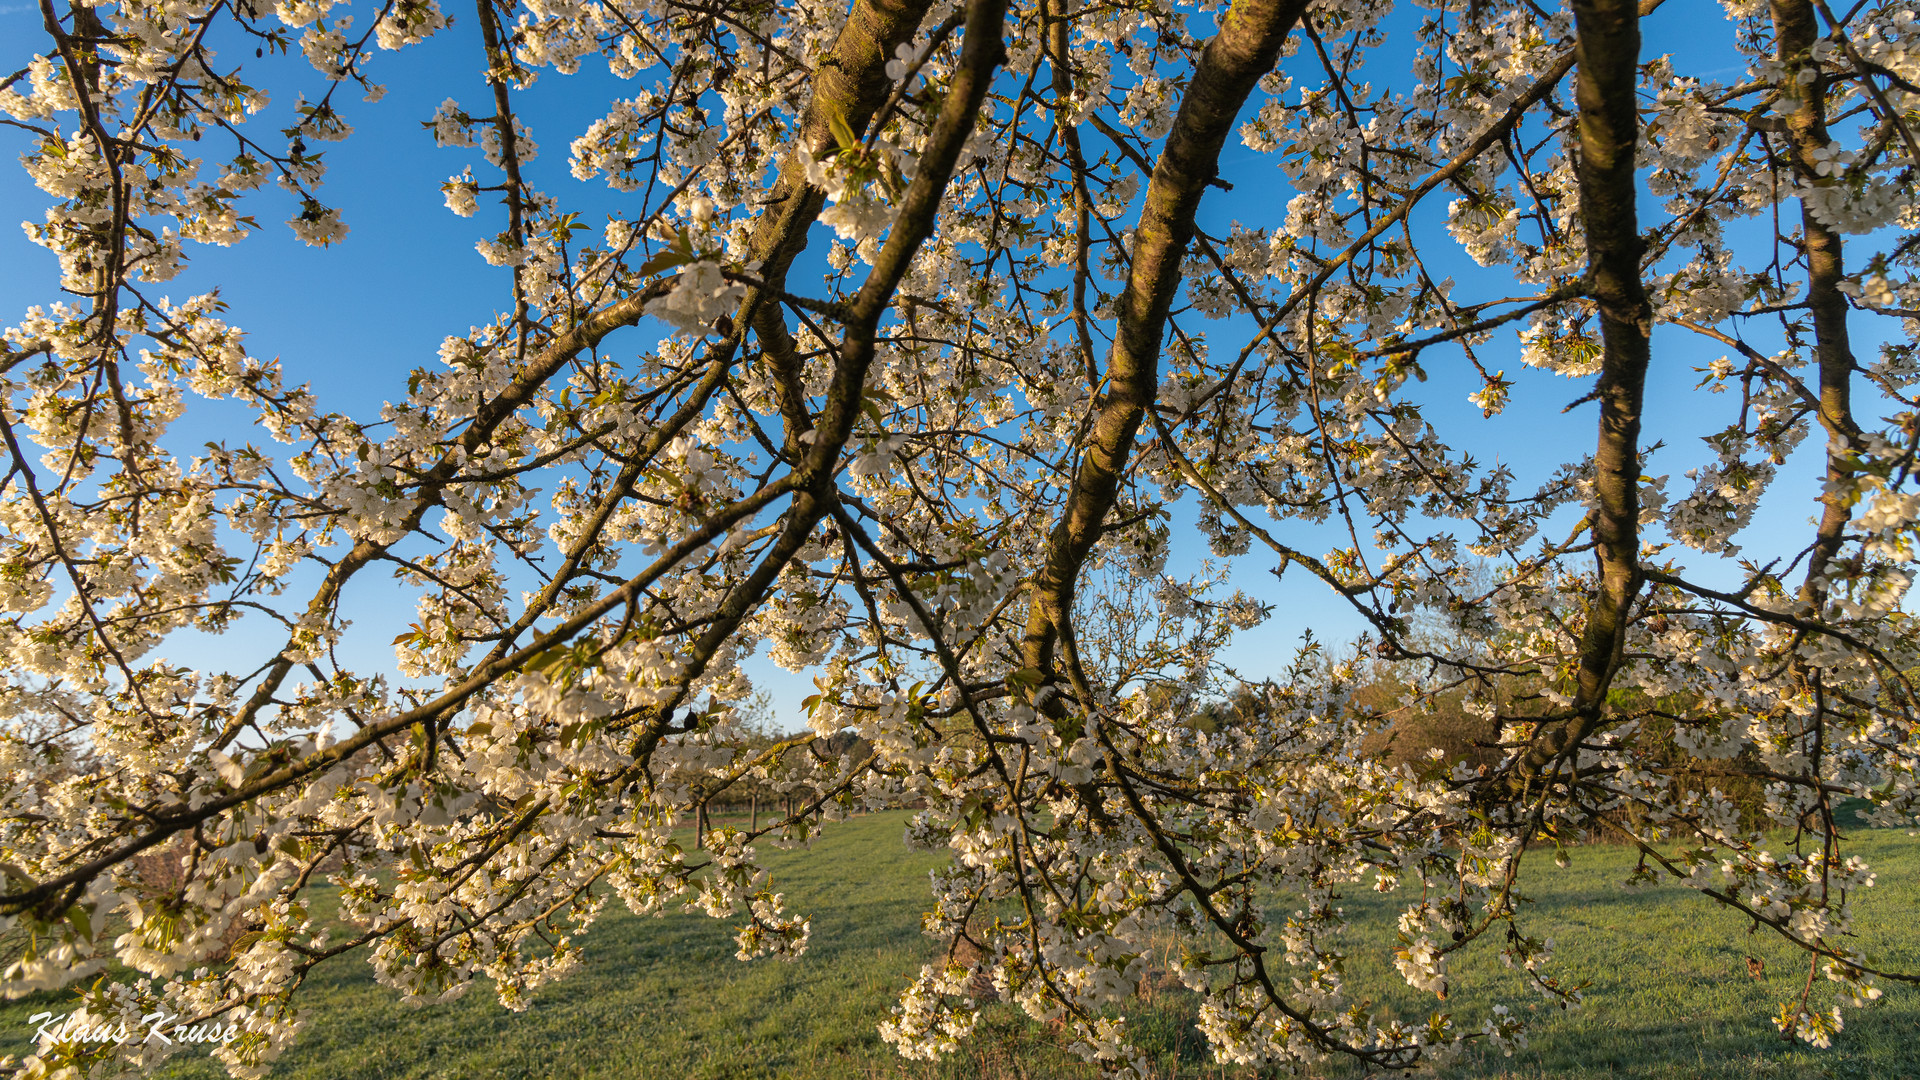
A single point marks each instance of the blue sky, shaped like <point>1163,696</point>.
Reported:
<point>352,320</point>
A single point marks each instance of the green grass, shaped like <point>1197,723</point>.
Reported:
<point>1671,996</point>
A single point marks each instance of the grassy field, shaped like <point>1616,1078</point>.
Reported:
<point>1671,994</point>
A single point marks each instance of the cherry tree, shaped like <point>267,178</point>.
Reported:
<point>944,480</point>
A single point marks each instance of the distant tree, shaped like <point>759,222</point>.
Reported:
<point>671,449</point>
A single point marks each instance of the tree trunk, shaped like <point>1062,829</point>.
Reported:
<point>1607,53</point>
<point>1795,31</point>
<point>1246,48</point>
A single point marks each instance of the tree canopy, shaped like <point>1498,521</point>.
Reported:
<point>910,358</point>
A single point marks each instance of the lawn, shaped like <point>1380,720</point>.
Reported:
<point>1671,994</point>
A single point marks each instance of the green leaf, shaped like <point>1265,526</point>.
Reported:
<point>547,658</point>
<point>842,132</point>
<point>665,260</point>
<point>1025,677</point>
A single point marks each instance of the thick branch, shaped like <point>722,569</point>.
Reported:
<point>1246,48</point>
<point>1795,30</point>
<point>856,61</point>
<point>1607,52</point>
<point>980,56</point>
<point>851,84</point>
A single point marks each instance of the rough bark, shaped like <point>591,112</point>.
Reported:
<point>1607,55</point>
<point>980,57</point>
<point>852,83</point>
<point>1795,30</point>
<point>1246,48</point>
